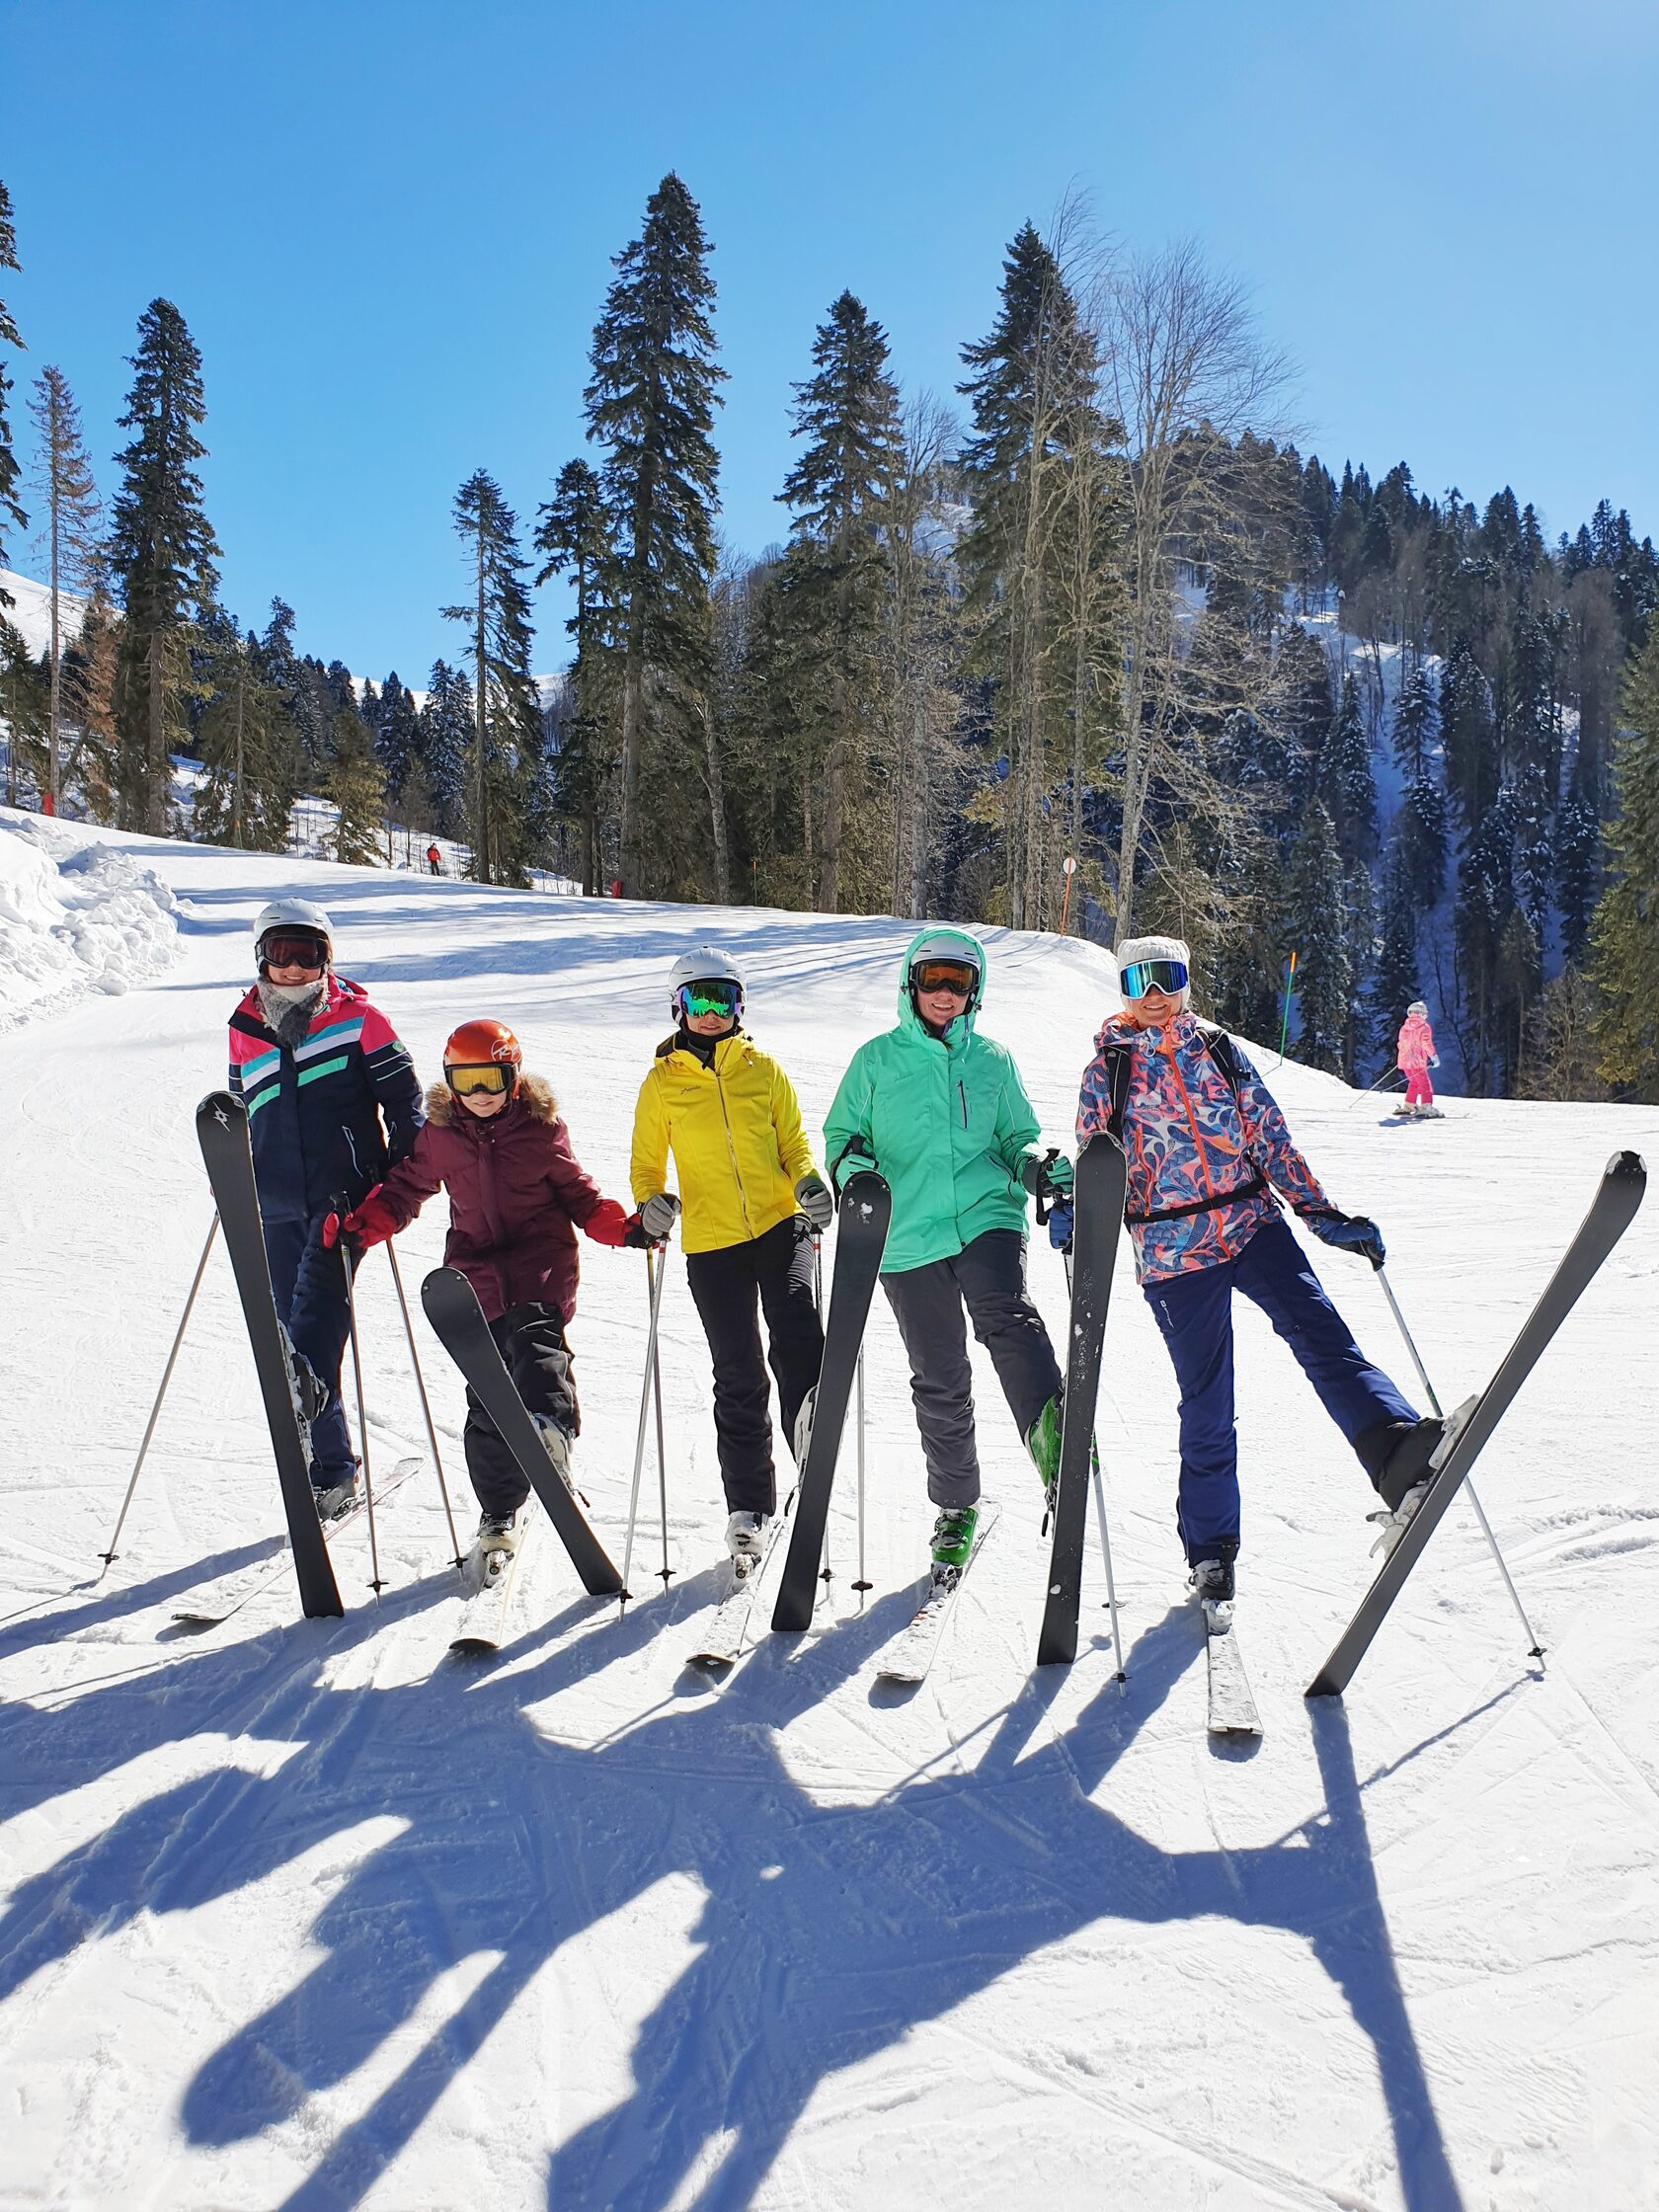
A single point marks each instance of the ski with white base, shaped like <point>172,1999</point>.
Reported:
<point>492,1577</point>
<point>910,1657</point>
<point>1232,1707</point>
<point>233,1591</point>
<point>727,1634</point>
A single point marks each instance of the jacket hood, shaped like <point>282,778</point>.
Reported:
<point>534,1094</point>
<point>964,1024</point>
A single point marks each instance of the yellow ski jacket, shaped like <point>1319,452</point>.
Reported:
<point>735,1131</point>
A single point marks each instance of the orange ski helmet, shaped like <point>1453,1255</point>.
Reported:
<point>480,1045</point>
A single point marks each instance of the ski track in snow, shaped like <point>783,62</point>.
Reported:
<point>313,1914</point>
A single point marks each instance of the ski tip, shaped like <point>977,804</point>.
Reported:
<point>1627,1167</point>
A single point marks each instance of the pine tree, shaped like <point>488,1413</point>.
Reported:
<point>1420,828</point>
<point>1416,717</point>
<point>89,705</point>
<point>1626,935</point>
<point>1397,979</point>
<point>1362,946</point>
<point>1346,783</point>
<point>1578,849</point>
<point>448,730</point>
<point>649,402</point>
<point>1315,928</point>
<point>1485,901</point>
<point>10,511</point>
<point>162,551</point>
<point>1304,677</point>
<point>396,737</point>
<point>248,753</point>
<point>841,489</point>
<point>507,744</point>
<point>1535,853</point>
<point>574,537</point>
<point>357,785</point>
<point>1469,733</point>
<point>73,518</point>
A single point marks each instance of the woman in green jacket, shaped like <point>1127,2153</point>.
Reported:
<point>941,1113</point>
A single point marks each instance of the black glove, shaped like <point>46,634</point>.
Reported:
<point>1349,1232</point>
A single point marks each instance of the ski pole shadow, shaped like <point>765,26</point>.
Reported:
<point>827,1932</point>
<point>52,1616</point>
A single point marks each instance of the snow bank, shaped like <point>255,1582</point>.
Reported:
<point>93,920</point>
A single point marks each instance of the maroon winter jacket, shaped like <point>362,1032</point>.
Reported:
<point>514,1189</point>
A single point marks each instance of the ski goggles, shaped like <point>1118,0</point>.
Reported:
<point>303,951</point>
<point>715,996</point>
<point>1142,975</point>
<point>958,976</point>
<point>489,1075</point>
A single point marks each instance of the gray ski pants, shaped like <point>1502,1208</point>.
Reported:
<point>988,1278</point>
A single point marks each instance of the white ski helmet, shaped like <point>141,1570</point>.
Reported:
<point>948,944</point>
<point>298,915</point>
<point>703,964</point>
<point>1419,1007</point>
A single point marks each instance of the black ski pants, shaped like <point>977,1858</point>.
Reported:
<point>308,1283</point>
<point>988,1278</point>
<point>531,1342</point>
<point>775,1271</point>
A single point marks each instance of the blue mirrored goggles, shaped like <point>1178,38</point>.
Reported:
<point>1142,975</point>
<point>715,996</point>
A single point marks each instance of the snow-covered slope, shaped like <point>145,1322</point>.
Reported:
<point>308,1914</point>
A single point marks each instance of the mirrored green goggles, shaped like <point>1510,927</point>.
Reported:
<point>716,996</point>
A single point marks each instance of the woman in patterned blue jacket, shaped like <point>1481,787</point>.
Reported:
<point>1206,1147</point>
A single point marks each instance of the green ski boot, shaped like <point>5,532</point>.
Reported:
<point>1044,1445</point>
<point>953,1540</point>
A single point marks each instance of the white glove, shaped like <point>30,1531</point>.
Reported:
<point>659,1215</point>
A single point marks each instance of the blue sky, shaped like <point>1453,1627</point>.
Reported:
<point>388,224</point>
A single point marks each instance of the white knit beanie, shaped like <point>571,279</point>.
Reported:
<point>1154,948</point>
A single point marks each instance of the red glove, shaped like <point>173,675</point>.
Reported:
<point>608,1224</point>
<point>369,1224</point>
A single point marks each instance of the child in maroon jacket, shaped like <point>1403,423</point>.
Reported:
<point>494,1139</point>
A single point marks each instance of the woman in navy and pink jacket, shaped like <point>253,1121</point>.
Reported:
<point>1206,1150</point>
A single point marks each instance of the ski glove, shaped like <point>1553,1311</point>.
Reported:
<point>1060,1223</point>
<point>856,1159</point>
<point>633,1236</point>
<point>1434,1059</point>
<point>1047,1175</point>
<point>608,1225</point>
<point>812,1195</point>
<point>366,1226</point>
<point>1349,1232</point>
<point>659,1215</point>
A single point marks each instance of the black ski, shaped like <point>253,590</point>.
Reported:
<point>1097,1218</point>
<point>454,1310</point>
<point>866,1209</point>
<point>1613,1208</point>
<point>221,1128</point>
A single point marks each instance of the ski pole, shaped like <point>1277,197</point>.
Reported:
<point>1537,1650</point>
<point>826,1571</point>
<point>1387,1071</point>
<point>654,1277</point>
<point>863,1583</point>
<point>665,1572</point>
<point>426,1409</point>
<point>376,1582</point>
<point>110,1556</point>
<point>1101,1513</point>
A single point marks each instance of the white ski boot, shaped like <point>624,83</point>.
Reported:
<point>498,1532</point>
<point>746,1541</point>
<point>802,1436</point>
<point>557,1440</point>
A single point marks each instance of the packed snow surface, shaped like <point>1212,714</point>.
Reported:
<point>313,1914</point>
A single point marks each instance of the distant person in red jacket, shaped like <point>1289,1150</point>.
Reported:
<point>494,1139</point>
<point>434,860</point>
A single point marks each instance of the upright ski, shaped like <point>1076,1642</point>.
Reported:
<point>454,1310</point>
<point>1232,1706</point>
<point>229,1595</point>
<point>221,1129</point>
<point>913,1653</point>
<point>1613,1208</point>
<point>866,1209</point>
<point>1097,1217</point>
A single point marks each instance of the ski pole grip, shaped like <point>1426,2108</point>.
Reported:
<point>1047,1161</point>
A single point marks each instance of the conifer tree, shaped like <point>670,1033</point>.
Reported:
<point>1398,977</point>
<point>357,786</point>
<point>446,739</point>
<point>1315,928</point>
<point>1578,846</point>
<point>650,404</point>
<point>11,514</point>
<point>1420,830</point>
<point>1307,714</point>
<point>1416,718</point>
<point>1346,783</point>
<point>396,734</point>
<point>1626,928</point>
<point>1469,733</point>
<point>163,552</point>
<point>1481,913</point>
<point>249,753</point>
<point>73,516</point>
<point>841,489</point>
<point>507,746</point>
<point>574,539</point>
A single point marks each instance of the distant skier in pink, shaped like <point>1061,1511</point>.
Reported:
<point>1416,1054</point>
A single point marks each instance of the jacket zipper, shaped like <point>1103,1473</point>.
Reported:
<point>732,1151</point>
<point>963,1096</point>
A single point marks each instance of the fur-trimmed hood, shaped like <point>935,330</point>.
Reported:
<point>534,1093</point>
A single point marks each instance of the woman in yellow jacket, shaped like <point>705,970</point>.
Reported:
<point>754,1203</point>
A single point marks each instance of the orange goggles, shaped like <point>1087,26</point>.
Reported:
<point>959,976</point>
<point>490,1075</point>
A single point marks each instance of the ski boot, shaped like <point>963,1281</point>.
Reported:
<point>802,1436</point>
<point>1042,1443</point>
<point>310,1391</point>
<point>1402,1482</point>
<point>498,1532</point>
<point>953,1543</point>
<point>746,1541</point>
<point>557,1438</point>
<point>336,1497</point>
<point>1213,1580</point>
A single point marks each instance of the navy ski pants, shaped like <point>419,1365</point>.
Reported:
<point>988,1278</point>
<point>1194,1313</point>
<point>309,1288</point>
